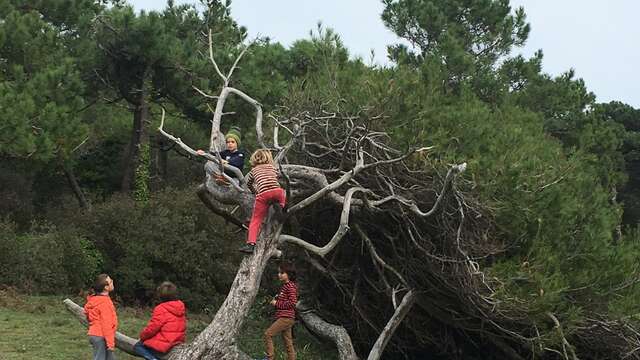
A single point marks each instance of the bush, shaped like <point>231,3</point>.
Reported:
<point>46,259</point>
<point>171,237</point>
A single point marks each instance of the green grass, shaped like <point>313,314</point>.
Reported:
<point>40,328</point>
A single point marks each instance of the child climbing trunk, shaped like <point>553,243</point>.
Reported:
<point>263,181</point>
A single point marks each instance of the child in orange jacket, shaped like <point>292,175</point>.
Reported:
<point>102,318</point>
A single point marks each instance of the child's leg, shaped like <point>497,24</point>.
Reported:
<point>144,351</point>
<point>278,326</point>
<point>99,346</point>
<point>260,208</point>
<point>282,198</point>
<point>288,341</point>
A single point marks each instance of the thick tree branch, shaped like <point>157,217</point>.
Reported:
<point>335,333</point>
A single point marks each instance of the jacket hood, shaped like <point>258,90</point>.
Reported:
<point>175,307</point>
<point>93,301</point>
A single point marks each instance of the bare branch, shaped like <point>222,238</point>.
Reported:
<point>235,63</point>
<point>343,228</point>
<point>411,204</point>
<point>398,316</point>
<point>204,93</point>
<point>328,331</point>
<point>213,61</point>
<point>377,258</point>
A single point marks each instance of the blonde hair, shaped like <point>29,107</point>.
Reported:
<point>261,156</point>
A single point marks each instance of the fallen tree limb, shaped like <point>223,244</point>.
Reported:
<point>337,334</point>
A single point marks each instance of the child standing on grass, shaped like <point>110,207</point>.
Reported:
<point>263,181</point>
<point>285,304</point>
<point>167,326</point>
<point>102,318</point>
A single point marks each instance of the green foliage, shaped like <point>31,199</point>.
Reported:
<point>46,260</point>
<point>465,37</point>
<point>171,237</point>
<point>141,191</point>
<point>40,88</point>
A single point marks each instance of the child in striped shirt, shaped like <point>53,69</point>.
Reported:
<point>263,181</point>
<point>285,304</point>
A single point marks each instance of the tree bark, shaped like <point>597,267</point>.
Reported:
<point>132,155</point>
<point>219,340</point>
<point>335,333</point>
<point>73,183</point>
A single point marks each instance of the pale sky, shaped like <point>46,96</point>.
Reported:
<point>599,39</point>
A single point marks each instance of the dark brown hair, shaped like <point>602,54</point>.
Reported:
<point>288,268</point>
<point>167,291</point>
<point>99,283</point>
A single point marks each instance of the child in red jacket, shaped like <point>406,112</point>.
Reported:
<point>167,326</point>
<point>285,304</point>
<point>102,318</point>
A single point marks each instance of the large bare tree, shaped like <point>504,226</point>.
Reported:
<point>390,230</point>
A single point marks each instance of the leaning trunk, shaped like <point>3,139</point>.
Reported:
<point>219,340</point>
<point>132,156</point>
<point>73,183</point>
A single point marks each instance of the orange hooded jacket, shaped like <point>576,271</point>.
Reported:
<point>102,317</point>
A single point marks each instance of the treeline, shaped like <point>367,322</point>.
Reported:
<point>86,177</point>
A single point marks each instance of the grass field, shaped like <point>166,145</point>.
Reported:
<point>40,328</point>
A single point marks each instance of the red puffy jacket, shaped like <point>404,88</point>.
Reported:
<point>167,326</point>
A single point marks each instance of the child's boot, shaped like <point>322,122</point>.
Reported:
<point>247,248</point>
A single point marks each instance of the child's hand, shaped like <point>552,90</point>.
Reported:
<point>273,302</point>
<point>224,161</point>
<point>200,152</point>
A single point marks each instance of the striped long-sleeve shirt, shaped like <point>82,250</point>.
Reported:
<point>286,301</point>
<point>263,177</point>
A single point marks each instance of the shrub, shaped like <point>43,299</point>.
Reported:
<point>46,259</point>
<point>170,237</point>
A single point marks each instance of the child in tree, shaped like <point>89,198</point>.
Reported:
<point>263,181</point>
<point>232,155</point>
<point>102,318</point>
<point>167,326</point>
<point>285,304</point>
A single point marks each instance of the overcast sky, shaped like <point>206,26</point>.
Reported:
<point>599,39</point>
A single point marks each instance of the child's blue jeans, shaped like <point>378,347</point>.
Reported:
<point>145,352</point>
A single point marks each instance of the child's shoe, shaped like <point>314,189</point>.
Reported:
<point>247,248</point>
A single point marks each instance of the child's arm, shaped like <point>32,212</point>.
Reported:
<point>250,180</point>
<point>154,325</point>
<point>108,324</point>
<point>288,299</point>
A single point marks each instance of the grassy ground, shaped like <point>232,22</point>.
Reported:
<point>39,328</point>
